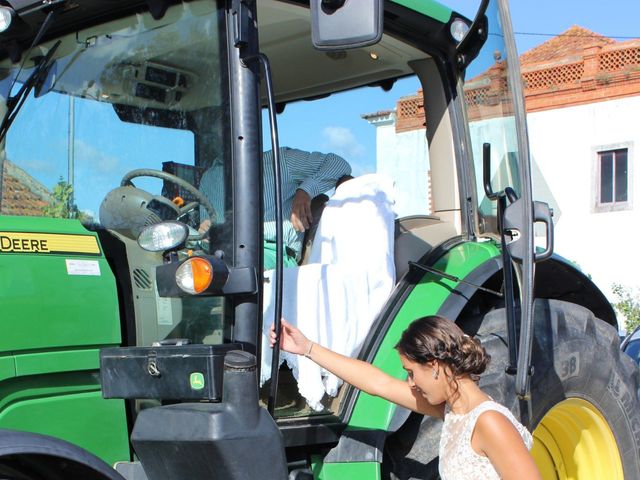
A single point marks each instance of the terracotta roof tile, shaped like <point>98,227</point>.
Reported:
<point>568,44</point>
<point>21,193</point>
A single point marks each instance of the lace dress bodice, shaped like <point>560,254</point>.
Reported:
<point>457,458</point>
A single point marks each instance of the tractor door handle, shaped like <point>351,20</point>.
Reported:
<point>513,228</point>
<point>543,213</point>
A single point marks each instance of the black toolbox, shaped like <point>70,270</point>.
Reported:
<point>167,372</point>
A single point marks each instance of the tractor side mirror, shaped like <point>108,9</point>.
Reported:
<point>343,24</point>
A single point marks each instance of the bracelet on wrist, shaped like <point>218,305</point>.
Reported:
<point>308,354</point>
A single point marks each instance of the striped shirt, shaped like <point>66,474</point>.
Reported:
<point>313,172</point>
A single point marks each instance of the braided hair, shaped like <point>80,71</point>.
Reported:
<point>436,338</point>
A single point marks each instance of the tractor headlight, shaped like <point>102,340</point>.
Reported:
<point>163,236</point>
<point>458,29</point>
<point>194,275</point>
<point>6,15</point>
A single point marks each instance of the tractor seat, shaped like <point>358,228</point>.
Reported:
<point>415,236</point>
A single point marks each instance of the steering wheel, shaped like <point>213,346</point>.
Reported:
<point>201,198</point>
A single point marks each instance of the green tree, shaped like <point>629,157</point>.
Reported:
<point>628,305</point>
<point>61,205</point>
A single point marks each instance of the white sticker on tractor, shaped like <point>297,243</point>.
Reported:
<point>164,309</point>
<point>83,267</point>
<point>165,312</point>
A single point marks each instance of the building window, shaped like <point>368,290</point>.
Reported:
<point>612,190</point>
<point>613,176</point>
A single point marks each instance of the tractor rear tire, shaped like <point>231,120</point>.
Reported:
<point>582,384</point>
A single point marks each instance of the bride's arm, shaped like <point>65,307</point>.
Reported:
<point>361,375</point>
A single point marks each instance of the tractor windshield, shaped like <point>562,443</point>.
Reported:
<point>140,103</point>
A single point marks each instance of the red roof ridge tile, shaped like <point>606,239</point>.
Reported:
<point>571,42</point>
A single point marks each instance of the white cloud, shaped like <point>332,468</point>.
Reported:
<point>342,141</point>
<point>101,162</point>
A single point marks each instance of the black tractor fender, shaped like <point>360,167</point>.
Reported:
<point>560,279</point>
<point>555,279</point>
<point>26,455</point>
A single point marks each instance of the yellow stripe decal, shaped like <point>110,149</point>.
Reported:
<point>21,242</point>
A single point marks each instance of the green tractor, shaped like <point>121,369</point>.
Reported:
<point>132,101</point>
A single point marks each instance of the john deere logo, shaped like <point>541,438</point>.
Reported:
<point>196,380</point>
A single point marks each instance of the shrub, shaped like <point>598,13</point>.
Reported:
<point>627,305</point>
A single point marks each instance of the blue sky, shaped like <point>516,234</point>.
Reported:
<point>609,18</point>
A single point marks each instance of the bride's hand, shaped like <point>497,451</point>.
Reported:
<point>291,339</point>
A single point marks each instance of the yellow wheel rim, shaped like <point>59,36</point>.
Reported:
<point>574,442</point>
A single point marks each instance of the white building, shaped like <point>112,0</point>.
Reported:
<point>402,154</point>
<point>583,110</point>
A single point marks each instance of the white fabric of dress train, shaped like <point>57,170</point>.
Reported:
<point>336,296</point>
